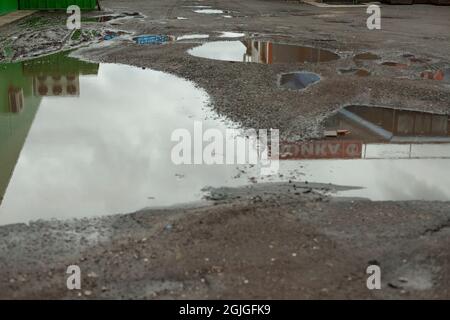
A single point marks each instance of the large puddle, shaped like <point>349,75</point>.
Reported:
<point>266,52</point>
<point>80,139</point>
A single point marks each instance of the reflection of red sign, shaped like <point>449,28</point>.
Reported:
<point>323,149</point>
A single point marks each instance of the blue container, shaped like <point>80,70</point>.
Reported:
<point>151,39</point>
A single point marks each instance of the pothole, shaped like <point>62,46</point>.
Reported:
<point>357,72</point>
<point>391,153</point>
<point>265,52</point>
<point>298,80</point>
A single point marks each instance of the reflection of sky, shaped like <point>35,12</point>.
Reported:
<point>108,151</point>
<point>220,50</point>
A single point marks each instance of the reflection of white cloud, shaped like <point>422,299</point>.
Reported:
<point>220,50</point>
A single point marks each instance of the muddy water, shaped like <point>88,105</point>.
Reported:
<point>79,139</point>
<point>261,52</point>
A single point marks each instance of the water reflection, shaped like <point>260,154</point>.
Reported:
<point>298,80</point>
<point>266,52</point>
<point>22,86</point>
<point>395,154</point>
<point>377,133</point>
<point>103,150</point>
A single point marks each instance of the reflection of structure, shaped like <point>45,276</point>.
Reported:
<point>377,133</point>
<point>324,149</point>
<point>269,52</point>
<point>15,99</point>
<point>20,98</point>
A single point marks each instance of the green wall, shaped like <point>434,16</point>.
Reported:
<point>8,6</point>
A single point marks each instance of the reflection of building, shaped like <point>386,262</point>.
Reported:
<point>377,133</point>
<point>269,52</point>
<point>375,124</point>
<point>20,97</point>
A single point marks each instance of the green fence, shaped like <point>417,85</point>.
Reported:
<point>8,6</point>
<point>56,4</point>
